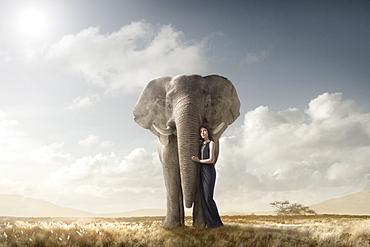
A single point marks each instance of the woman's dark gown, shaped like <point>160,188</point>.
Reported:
<point>207,185</point>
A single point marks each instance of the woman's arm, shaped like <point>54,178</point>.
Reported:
<point>211,158</point>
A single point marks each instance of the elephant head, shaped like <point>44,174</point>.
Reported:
<point>179,106</point>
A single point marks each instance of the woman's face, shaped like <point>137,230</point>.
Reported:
<point>204,133</point>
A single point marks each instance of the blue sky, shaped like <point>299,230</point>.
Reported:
<point>72,71</point>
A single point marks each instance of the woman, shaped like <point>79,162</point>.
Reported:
<point>208,178</point>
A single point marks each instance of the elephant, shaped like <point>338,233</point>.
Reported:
<point>174,108</point>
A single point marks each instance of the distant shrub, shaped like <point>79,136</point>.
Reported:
<point>286,208</point>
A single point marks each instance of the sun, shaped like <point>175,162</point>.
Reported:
<point>32,22</point>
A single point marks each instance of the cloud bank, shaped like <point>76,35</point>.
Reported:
<point>289,154</point>
<point>123,185</point>
<point>304,157</point>
<point>125,60</point>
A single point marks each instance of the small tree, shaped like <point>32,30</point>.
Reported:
<point>285,208</point>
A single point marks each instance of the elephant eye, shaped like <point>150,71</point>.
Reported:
<point>169,106</point>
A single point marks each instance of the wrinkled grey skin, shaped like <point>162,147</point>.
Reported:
<point>174,109</point>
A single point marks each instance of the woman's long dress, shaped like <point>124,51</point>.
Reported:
<point>207,185</point>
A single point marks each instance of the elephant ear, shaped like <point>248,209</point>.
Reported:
<point>225,104</point>
<point>151,105</point>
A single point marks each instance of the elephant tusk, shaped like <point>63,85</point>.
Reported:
<point>166,132</point>
<point>218,128</point>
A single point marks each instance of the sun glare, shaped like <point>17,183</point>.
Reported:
<point>32,22</point>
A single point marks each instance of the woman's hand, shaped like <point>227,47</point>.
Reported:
<point>195,158</point>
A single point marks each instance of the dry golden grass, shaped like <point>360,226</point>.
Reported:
<point>319,230</point>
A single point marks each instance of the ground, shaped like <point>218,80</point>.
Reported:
<point>251,230</point>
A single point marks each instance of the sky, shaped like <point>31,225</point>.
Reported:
<point>72,71</point>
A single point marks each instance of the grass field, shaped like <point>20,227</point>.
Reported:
<point>251,230</point>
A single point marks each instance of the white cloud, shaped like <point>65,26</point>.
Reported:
<point>49,154</point>
<point>5,121</point>
<point>15,187</point>
<point>90,141</point>
<point>84,101</point>
<point>136,180</point>
<point>127,59</point>
<point>93,140</point>
<point>137,171</point>
<point>287,153</point>
<point>331,107</point>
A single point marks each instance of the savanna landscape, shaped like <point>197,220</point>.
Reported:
<point>246,230</point>
<point>101,104</point>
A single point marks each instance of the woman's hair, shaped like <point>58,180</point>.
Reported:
<point>210,136</point>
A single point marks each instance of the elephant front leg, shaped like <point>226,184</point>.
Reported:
<point>175,208</point>
<point>171,173</point>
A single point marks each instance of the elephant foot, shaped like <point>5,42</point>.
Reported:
<point>171,224</point>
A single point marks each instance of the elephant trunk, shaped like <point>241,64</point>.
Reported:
<point>188,120</point>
